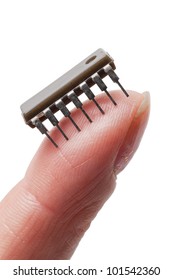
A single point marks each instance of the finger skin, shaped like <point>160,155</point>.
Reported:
<point>46,214</point>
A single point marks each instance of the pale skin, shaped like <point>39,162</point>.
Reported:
<point>47,213</point>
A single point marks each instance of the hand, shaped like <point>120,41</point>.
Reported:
<point>46,214</point>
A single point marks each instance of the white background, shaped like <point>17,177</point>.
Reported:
<point>39,41</point>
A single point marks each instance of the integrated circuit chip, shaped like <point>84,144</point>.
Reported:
<point>55,97</point>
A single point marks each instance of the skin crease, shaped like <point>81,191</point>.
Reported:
<point>46,214</point>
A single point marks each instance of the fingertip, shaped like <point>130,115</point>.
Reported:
<point>64,188</point>
<point>89,152</point>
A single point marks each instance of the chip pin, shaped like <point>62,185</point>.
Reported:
<point>62,107</point>
<point>103,87</point>
<point>44,130</point>
<point>115,79</point>
<point>76,101</point>
<point>91,96</point>
<point>51,117</point>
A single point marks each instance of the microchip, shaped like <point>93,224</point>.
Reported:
<point>67,88</point>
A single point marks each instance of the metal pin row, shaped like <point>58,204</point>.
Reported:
<point>60,105</point>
